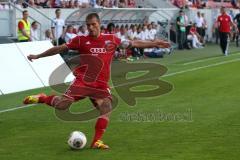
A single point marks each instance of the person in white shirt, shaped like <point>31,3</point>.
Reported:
<point>145,34</point>
<point>69,33</point>
<point>139,33</point>
<point>122,34</point>
<point>58,25</point>
<point>48,35</point>
<point>132,34</point>
<point>152,32</point>
<point>82,30</point>
<point>34,31</point>
<point>199,23</point>
<point>84,3</point>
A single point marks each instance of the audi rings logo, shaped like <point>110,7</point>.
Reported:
<point>98,50</point>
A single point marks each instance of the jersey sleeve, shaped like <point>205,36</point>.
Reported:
<point>20,25</point>
<point>116,40</point>
<point>74,43</point>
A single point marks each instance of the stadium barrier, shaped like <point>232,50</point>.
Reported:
<point>18,74</point>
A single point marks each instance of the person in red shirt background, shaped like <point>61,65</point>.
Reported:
<point>224,23</point>
<point>194,37</point>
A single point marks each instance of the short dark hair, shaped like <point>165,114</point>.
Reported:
<point>93,15</point>
<point>25,11</point>
<point>57,10</point>
<point>34,22</point>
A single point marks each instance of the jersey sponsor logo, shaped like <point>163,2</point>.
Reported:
<point>98,50</point>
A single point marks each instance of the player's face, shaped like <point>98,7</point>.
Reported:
<point>93,26</point>
<point>222,10</point>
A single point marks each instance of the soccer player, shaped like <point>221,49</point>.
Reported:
<point>96,52</point>
<point>224,23</point>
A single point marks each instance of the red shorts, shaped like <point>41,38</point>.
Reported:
<point>79,90</point>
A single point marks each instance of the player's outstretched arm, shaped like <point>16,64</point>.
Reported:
<point>50,52</point>
<point>150,44</point>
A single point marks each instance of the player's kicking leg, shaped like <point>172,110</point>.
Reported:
<point>103,105</point>
<point>58,102</point>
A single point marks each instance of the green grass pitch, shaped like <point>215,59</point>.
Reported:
<point>206,90</point>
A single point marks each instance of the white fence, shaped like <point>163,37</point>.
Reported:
<point>18,74</point>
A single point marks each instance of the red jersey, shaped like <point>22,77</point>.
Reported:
<point>95,58</point>
<point>224,21</point>
<point>193,30</point>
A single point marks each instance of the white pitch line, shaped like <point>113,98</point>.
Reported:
<point>202,67</point>
<point>208,59</point>
<point>16,108</point>
<point>167,75</point>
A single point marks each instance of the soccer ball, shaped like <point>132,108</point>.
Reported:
<point>77,140</point>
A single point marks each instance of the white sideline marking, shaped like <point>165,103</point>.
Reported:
<point>202,67</point>
<point>167,75</point>
<point>16,108</point>
<point>208,59</point>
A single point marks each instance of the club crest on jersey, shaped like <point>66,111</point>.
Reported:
<point>110,46</point>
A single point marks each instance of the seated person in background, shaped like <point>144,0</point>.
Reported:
<point>152,32</point>
<point>48,35</point>
<point>122,4</point>
<point>132,34</point>
<point>194,37</point>
<point>69,33</point>
<point>84,3</point>
<point>82,31</point>
<point>131,4</point>
<point>34,31</point>
<point>110,28</point>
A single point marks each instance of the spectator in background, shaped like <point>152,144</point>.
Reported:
<point>113,4</point>
<point>139,32</point>
<point>215,31</point>
<point>110,28</point>
<point>92,2</point>
<point>48,35</point>
<point>122,34</point>
<point>181,30</point>
<point>69,34</point>
<point>84,3</point>
<point>152,32</point>
<point>82,30</point>
<point>34,31</point>
<point>132,35</point>
<point>75,4</point>
<point>24,28</point>
<point>102,29</point>
<point>58,26</point>
<point>145,33</point>
<point>122,4</point>
<point>237,20</point>
<point>199,23</point>
<point>194,37</point>
<point>131,3</point>
<point>97,4</point>
<point>204,28</point>
<point>173,37</point>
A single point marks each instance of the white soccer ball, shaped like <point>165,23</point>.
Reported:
<point>77,140</point>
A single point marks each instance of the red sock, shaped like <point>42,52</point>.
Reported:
<point>100,128</point>
<point>47,99</point>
